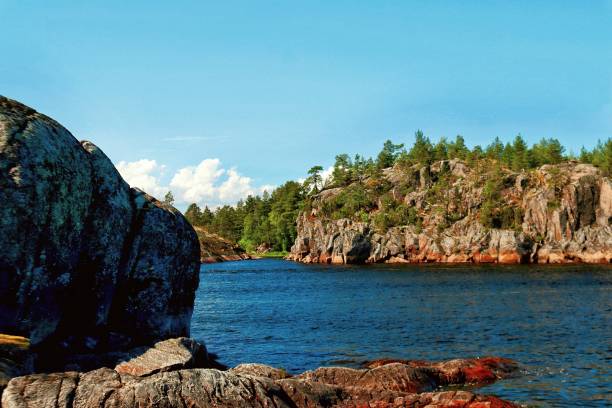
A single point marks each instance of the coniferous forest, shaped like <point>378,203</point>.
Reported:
<point>268,221</point>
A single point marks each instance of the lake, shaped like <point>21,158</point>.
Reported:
<point>555,320</point>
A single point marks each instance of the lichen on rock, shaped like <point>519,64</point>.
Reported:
<point>86,259</point>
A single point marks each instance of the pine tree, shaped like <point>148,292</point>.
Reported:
<point>169,198</point>
<point>388,154</point>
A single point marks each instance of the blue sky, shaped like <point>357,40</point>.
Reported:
<point>269,89</point>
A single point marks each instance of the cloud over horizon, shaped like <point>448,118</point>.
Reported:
<point>207,184</point>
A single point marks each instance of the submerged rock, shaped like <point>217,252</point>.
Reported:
<point>86,259</point>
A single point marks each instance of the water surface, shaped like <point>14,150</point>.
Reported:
<point>554,320</point>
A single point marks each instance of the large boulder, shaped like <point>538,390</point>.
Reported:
<point>46,193</point>
<point>87,261</point>
<point>156,289</point>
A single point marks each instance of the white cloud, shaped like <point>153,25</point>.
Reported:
<point>196,184</point>
<point>208,183</point>
<point>145,175</point>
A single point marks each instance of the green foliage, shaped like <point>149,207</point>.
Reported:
<point>274,254</point>
<point>389,154</point>
<point>349,202</point>
<point>314,182</point>
<point>169,198</point>
<point>194,214</point>
<point>520,154</point>
<point>286,202</point>
<point>269,219</point>
<point>494,212</point>
<point>198,217</point>
<point>547,151</point>
<point>227,222</point>
<point>343,169</point>
<point>553,204</point>
<point>510,218</point>
<point>440,150</point>
<point>495,150</point>
<point>458,149</point>
<point>601,156</point>
<point>422,150</point>
<point>392,213</point>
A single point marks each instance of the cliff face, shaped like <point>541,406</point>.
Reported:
<point>559,213</point>
<point>214,248</point>
<point>87,261</point>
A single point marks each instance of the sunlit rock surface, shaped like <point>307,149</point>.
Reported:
<point>566,210</point>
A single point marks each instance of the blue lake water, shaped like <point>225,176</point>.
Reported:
<point>556,321</point>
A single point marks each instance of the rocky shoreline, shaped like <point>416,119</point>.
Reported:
<point>176,373</point>
<point>561,213</point>
<point>214,248</point>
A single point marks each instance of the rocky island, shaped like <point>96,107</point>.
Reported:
<point>450,211</point>
<point>97,284</point>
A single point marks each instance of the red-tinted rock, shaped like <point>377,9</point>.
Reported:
<point>478,371</point>
<point>160,377</point>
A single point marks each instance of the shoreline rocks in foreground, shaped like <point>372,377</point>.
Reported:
<point>559,214</point>
<point>167,375</point>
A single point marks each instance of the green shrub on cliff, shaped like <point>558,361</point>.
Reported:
<point>392,213</point>
<point>389,154</point>
<point>601,156</point>
<point>494,211</point>
<point>348,202</point>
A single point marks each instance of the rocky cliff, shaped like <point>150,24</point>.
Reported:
<point>554,214</point>
<point>214,248</point>
<point>87,262</point>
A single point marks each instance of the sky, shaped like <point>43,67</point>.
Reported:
<point>217,100</point>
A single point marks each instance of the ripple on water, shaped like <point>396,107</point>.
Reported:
<point>554,320</point>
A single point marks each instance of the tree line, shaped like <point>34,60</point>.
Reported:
<point>516,155</point>
<point>269,220</point>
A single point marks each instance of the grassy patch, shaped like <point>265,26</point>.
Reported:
<point>272,254</point>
